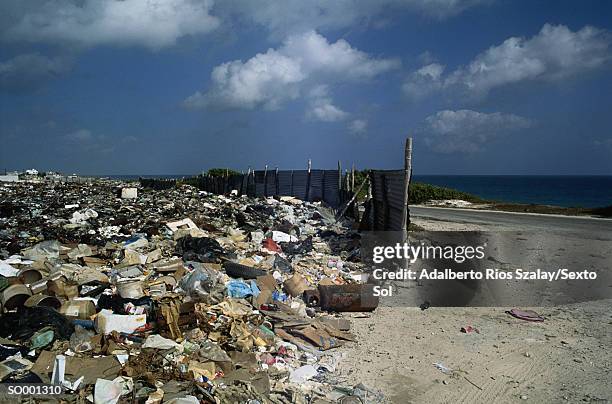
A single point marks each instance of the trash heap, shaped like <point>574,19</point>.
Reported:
<point>119,293</point>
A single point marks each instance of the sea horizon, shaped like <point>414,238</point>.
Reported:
<point>585,190</point>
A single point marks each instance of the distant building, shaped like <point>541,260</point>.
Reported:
<point>32,171</point>
<point>9,177</point>
<point>52,175</point>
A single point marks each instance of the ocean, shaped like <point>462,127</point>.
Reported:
<point>568,191</point>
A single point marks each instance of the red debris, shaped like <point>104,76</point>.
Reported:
<point>469,329</point>
<point>271,245</point>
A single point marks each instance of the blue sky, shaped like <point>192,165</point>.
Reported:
<point>180,86</point>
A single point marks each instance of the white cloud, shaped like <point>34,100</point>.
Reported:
<point>151,23</point>
<point>555,53</point>
<point>321,107</point>
<point>294,16</point>
<point>424,81</point>
<point>160,23</point>
<point>79,136</point>
<point>268,79</point>
<point>358,126</point>
<point>27,71</point>
<point>325,111</point>
<point>468,131</point>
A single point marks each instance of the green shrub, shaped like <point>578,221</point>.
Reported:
<point>221,172</point>
<point>420,193</point>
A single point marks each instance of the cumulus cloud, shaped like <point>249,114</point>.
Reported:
<point>358,126</point>
<point>151,23</point>
<point>28,71</point>
<point>160,23</point>
<point>424,81</point>
<point>468,131</point>
<point>555,53</point>
<point>271,78</point>
<point>293,16</point>
<point>321,107</point>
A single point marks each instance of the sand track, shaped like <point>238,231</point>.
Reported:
<point>564,359</point>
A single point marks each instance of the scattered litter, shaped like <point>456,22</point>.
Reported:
<point>302,374</point>
<point>468,329</point>
<point>442,368</point>
<point>528,315</point>
<point>129,294</point>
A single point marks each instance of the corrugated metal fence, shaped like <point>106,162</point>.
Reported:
<point>387,203</point>
<point>309,185</point>
<point>316,185</point>
<point>386,209</point>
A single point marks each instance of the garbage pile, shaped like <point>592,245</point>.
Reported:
<point>118,293</point>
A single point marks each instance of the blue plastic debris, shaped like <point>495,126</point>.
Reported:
<point>279,296</point>
<point>239,289</point>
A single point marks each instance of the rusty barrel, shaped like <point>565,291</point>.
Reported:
<point>15,296</point>
<point>43,300</point>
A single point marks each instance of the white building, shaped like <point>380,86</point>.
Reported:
<point>9,177</point>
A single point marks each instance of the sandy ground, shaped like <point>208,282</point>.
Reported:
<point>439,225</point>
<point>566,358</point>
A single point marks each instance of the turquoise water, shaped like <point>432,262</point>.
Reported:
<point>569,191</point>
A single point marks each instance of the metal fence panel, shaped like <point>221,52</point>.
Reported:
<point>387,199</point>
<point>331,188</point>
<point>318,185</point>
<point>300,181</point>
<point>285,179</point>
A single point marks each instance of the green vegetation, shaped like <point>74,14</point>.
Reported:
<point>221,172</point>
<point>420,193</point>
<point>360,177</point>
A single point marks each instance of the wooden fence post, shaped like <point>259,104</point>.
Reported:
<point>226,185</point>
<point>276,186</point>
<point>407,174</point>
<point>308,180</point>
<point>345,181</point>
<point>247,180</point>
<point>265,181</point>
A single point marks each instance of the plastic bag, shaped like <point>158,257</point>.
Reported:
<point>200,281</point>
<point>80,341</point>
<point>240,289</point>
